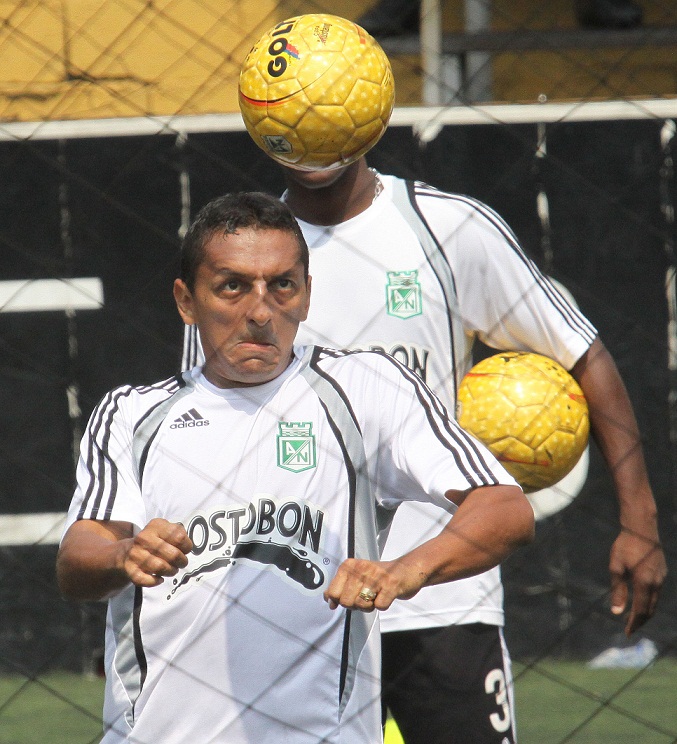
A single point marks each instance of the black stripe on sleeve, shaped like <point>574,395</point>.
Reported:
<point>96,459</point>
<point>102,469</point>
<point>457,441</point>
<point>447,431</point>
<point>574,320</point>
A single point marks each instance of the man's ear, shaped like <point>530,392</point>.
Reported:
<point>184,301</point>
<point>309,282</point>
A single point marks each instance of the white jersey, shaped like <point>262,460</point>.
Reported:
<point>276,485</point>
<point>420,274</point>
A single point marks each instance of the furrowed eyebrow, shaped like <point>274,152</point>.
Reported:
<point>234,274</point>
<point>284,275</point>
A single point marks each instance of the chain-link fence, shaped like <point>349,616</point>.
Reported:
<point>120,119</point>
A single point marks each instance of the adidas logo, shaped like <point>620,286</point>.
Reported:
<point>189,419</point>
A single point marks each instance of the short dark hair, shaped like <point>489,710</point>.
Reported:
<point>226,215</point>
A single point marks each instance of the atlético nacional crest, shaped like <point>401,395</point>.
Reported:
<point>403,294</point>
<point>296,446</point>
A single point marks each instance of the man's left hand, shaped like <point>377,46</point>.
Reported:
<point>638,564</point>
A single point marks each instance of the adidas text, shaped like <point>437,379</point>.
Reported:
<point>189,419</point>
<point>188,424</point>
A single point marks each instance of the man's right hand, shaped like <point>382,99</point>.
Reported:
<point>97,559</point>
<point>159,550</point>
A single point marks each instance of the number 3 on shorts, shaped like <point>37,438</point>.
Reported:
<point>494,684</point>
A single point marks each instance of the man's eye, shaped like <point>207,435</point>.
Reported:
<point>232,286</point>
<point>284,283</point>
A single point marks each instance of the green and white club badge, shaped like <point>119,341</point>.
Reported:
<point>296,446</point>
<point>403,294</point>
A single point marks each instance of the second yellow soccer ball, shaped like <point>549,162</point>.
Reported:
<point>316,91</point>
<point>530,412</point>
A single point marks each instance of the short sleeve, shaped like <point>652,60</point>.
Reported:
<point>423,452</point>
<point>107,486</point>
<point>503,296</point>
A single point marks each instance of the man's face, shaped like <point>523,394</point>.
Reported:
<point>249,297</point>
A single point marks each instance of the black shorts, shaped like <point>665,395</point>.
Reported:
<point>449,685</point>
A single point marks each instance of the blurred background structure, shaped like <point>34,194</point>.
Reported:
<point>119,119</point>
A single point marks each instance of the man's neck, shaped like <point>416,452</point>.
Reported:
<point>351,194</point>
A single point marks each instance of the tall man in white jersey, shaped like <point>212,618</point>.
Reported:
<point>232,515</point>
<point>401,267</point>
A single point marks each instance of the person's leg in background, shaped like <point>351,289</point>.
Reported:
<point>449,685</point>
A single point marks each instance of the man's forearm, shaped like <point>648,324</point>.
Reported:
<point>97,559</point>
<point>489,525</point>
<point>90,563</point>
<point>615,430</point>
<point>637,565</point>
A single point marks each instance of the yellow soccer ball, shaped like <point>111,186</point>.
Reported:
<point>530,412</point>
<point>316,91</point>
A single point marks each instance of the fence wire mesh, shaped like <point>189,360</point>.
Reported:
<point>119,119</point>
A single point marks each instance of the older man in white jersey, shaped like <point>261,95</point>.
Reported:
<point>232,515</point>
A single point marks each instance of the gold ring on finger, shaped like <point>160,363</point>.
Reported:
<point>368,595</point>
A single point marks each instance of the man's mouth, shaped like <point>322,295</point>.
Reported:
<point>256,342</point>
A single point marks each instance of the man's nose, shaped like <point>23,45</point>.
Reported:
<point>259,310</point>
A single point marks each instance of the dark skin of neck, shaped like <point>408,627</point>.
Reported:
<point>330,197</point>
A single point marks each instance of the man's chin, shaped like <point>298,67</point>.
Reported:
<point>251,372</point>
<point>318,179</point>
